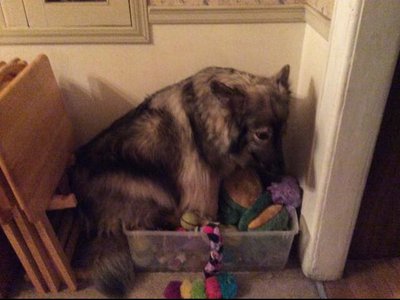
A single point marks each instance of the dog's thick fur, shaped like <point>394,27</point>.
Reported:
<point>169,155</point>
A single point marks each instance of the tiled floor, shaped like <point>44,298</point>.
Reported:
<point>375,278</point>
<point>288,283</point>
<point>362,279</point>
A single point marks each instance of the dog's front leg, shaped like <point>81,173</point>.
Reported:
<point>200,189</point>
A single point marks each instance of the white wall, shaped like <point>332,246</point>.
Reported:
<point>101,82</point>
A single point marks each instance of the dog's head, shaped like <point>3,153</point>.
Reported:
<point>259,108</point>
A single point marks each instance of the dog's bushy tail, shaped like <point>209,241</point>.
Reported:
<point>113,269</point>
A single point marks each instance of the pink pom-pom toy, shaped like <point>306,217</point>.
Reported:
<point>213,290</point>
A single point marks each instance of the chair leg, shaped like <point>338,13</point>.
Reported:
<point>68,232</point>
<point>25,257</point>
<point>73,239</point>
<point>51,242</point>
<point>38,251</point>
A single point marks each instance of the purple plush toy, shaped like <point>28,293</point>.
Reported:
<point>286,192</point>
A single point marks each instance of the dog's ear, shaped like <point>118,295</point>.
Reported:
<point>223,92</point>
<point>280,102</point>
<point>282,79</point>
<point>231,97</point>
<point>280,108</point>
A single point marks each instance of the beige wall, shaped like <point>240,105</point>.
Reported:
<point>301,125</point>
<point>101,82</point>
<point>305,148</point>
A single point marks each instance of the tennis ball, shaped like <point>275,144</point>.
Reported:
<point>190,220</point>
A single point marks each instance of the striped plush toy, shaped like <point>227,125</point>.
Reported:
<point>216,285</point>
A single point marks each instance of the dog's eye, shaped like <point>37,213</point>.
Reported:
<point>263,135</point>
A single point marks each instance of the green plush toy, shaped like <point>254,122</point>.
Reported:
<point>245,204</point>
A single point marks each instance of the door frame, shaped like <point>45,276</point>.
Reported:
<point>364,45</point>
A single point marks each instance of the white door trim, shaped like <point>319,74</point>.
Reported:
<point>363,50</point>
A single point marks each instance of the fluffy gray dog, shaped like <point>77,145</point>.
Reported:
<point>169,154</point>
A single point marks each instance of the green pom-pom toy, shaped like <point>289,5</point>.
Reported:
<point>198,289</point>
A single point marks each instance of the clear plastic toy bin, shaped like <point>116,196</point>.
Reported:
<point>170,251</point>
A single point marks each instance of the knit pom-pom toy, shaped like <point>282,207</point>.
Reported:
<point>228,285</point>
<point>213,290</point>
<point>186,289</point>
<point>216,285</point>
<point>198,289</point>
<point>221,286</point>
<point>173,290</point>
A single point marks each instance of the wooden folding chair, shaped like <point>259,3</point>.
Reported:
<point>8,71</point>
<point>17,241</point>
<point>36,144</point>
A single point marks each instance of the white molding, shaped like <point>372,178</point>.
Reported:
<point>72,35</point>
<point>318,21</point>
<point>142,16</point>
<point>364,45</point>
<point>226,14</point>
<point>2,19</point>
<point>295,13</point>
<point>140,20</point>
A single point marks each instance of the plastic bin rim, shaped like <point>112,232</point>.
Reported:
<point>293,231</point>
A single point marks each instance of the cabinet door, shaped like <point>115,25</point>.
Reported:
<point>60,13</point>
